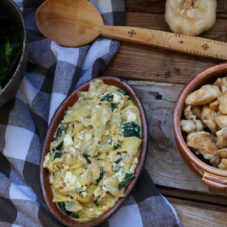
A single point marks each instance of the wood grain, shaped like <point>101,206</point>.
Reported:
<point>193,196</point>
<point>163,161</point>
<point>197,214</point>
<point>167,40</point>
<point>159,7</point>
<point>148,63</point>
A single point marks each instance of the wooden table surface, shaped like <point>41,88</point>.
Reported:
<point>158,76</point>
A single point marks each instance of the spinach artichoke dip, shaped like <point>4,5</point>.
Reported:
<point>94,152</point>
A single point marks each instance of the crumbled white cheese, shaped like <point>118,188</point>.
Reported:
<point>78,145</point>
<point>120,174</point>
<point>68,140</point>
<point>130,116</point>
<point>84,194</point>
<point>78,185</point>
<point>116,98</point>
<point>133,167</point>
<point>69,179</point>
<point>88,136</point>
<point>84,188</point>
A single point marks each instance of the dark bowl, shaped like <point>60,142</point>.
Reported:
<point>9,90</point>
<point>211,176</point>
<point>44,174</point>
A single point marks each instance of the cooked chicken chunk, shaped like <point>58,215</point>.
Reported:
<point>204,95</point>
<point>191,125</point>
<point>197,110</point>
<point>221,120</point>
<point>223,164</point>
<point>223,103</point>
<point>201,142</point>
<point>222,153</point>
<point>188,113</point>
<point>222,138</point>
<point>214,105</point>
<point>208,117</point>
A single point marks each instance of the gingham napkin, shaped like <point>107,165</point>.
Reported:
<point>53,73</point>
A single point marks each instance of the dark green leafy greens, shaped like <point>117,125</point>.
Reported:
<point>128,177</point>
<point>58,147</point>
<point>117,146</point>
<point>118,161</point>
<point>122,91</point>
<point>96,200</point>
<point>57,150</point>
<point>62,207</point>
<point>113,106</point>
<point>106,97</point>
<point>131,129</point>
<point>102,173</point>
<point>61,128</point>
<point>11,42</point>
<point>58,154</point>
<point>86,156</point>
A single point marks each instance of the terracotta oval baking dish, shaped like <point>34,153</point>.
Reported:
<point>211,176</point>
<point>44,174</point>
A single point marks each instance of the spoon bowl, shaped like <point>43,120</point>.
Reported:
<point>67,23</point>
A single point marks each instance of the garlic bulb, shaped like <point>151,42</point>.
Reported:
<point>190,17</point>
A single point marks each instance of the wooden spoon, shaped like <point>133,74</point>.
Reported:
<point>77,22</point>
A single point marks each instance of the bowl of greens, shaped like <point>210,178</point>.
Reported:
<point>13,49</point>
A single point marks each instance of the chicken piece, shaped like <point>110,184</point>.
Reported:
<point>188,113</point>
<point>199,125</point>
<point>223,103</point>
<point>202,96</point>
<point>224,84</point>
<point>208,113</point>
<point>208,117</point>
<point>197,110</point>
<point>221,120</point>
<point>214,105</point>
<point>188,126</point>
<point>201,142</point>
<point>222,153</point>
<point>218,82</point>
<point>223,164</point>
<point>222,138</point>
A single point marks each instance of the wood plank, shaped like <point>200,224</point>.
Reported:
<point>194,196</point>
<point>198,214</point>
<point>163,160</point>
<point>159,7</point>
<point>149,63</point>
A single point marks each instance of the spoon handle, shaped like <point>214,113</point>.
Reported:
<point>171,41</point>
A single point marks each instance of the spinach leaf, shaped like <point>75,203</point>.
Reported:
<point>116,168</point>
<point>102,173</point>
<point>131,129</point>
<point>86,156</point>
<point>62,207</point>
<point>58,147</point>
<point>122,91</point>
<point>106,97</point>
<point>58,154</point>
<point>117,146</point>
<point>118,161</point>
<point>96,200</point>
<point>113,106</point>
<point>128,177</point>
<point>61,128</point>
